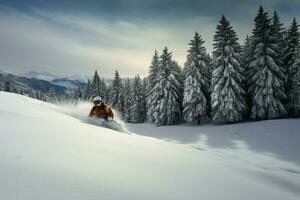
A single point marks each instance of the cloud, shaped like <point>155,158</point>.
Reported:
<point>29,43</point>
<point>66,43</point>
<point>80,36</point>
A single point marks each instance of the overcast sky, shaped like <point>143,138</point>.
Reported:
<point>76,37</point>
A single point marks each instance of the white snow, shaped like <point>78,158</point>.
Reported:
<point>48,154</point>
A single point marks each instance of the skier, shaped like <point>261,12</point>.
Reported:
<point>101,110</point>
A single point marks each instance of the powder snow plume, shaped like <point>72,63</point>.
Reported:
<point>81,111</point>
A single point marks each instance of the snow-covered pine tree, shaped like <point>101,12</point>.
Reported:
<point>7,86</point>
<point>76,95</point>
<point>67,97</point>
<point>116,98</point>
<point>51,95</point>
<point>265,75</point>
<point>294,91</point>
<point>127,94</point>
<point>228,96</point>
<point>278,33</point>
<point>278,37</point>
<point>37,94</point>
<point>21,91</point>
<point>208,62</point>
<point>145,87</point>
<point>88,90</point>
<point>246,54</point>
<point>14,88</point>
<point>166,94</point>
<point>10,86</point>
<point>104,88</point>
<point>208,71</point>
<point>40,95</point>
<point>292,43</point>
<point>153,70</point>
<point>138,111</point>
<point>31,93</point>
<point>97,88</point>
<point>196,83</point>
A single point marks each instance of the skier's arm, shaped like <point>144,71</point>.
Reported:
<point>92,112</point>
<point>109,113</point>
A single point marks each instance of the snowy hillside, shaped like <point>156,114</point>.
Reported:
<point>47,154</point>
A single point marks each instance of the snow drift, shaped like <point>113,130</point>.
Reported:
<point>47,154</point>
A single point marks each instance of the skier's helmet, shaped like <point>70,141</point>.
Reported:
<point>97,100</point>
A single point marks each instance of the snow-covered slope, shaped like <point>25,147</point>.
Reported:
<point>47,154</point>
<point>277,138</point>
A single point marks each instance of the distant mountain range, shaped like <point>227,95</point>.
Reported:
<point>48,76</point>
<point>34,81</point>
<point>63,80</point>
<point>68,83</point>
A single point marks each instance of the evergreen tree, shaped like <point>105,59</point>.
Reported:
<point>87,95</point>
<point>67,97</point>
<point>145,87</point>
<point>76,95</point>
<point>31,94</point>
<point>228,102</point>
<point>265,75</point>
<point>196,84</point>
<point>246,55</point>
<point>166,94</point>
<point>104,88</point>
<point>208,70</point>
<point>153,73</point>
<point>40,95</point>
<point>292,42</point>
<point>7,86</point>
<point>52,95</point>
<point>127,94</point>
<point>294,95</point>
<point>37,95</point>
<point>278,37</point>
<point>97,88</point>
<point>137,111</point>
<point>116,98</point>
<point>14,88</point>
<point>21,91</point>
<point>153,70</point>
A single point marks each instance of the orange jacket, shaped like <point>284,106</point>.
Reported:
<point>101,111</point>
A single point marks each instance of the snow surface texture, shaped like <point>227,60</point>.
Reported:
<point>48,154</point>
